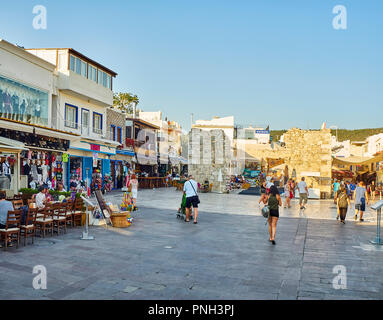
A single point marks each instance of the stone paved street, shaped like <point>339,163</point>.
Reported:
<point>225,256</point>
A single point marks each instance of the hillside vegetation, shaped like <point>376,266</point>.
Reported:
<point>343,134</point>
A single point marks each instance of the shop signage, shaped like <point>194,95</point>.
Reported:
<point>262,131</point>
<point>95,159</point>
<point>65,157</point>
<point>94,147</point>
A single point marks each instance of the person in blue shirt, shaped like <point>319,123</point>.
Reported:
<point>336,186</point>
<point>352,188</point>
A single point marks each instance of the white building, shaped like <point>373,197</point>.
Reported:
<point>84,92</point>
<point>340,149</point>
<point>169,139</point>
<point>226,124</point>
<point>27,85</point>
<point>375,144</point>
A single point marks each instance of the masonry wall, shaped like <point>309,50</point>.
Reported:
<point>209,157</point>
<point>310,151</point>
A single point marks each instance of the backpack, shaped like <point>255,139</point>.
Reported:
<point>343,200</point>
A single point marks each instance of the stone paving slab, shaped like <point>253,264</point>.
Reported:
<point>225,256</point>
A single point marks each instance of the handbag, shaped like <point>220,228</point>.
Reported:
<point>195,193</point>
<point>266,211</point>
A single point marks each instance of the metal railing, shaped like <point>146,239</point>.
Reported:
<point>378,207</point>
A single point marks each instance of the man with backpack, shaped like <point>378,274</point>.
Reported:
<point>343,202</point>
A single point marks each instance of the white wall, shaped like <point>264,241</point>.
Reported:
<point>24,68</point>
<point>375,144</point>
<point>79,103</point>
<point>69,80</point>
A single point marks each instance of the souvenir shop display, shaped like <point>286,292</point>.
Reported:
<point>6,168</point>
<point>42,168</point>
<point>127,203</point>
<point>96,180</point>
<point>108,183</point>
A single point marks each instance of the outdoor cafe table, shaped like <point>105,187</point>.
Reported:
<point>151,182</point>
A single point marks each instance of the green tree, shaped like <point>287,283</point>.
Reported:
<point>125,101</point>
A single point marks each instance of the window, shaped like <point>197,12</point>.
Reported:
<point>78,65</point>
<point>83,69</point>
<point>85,121</point>
<point>108,79</point>
<point>71,116</point>
<point>97,123</point>
<point>99,77</point>
<point>129,132</point>
<point>119,134</point>
<point>113,132</point>
<point>71,63</point>
<point>104,79</point>
<point>92,73</point>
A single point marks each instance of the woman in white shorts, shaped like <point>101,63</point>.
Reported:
<point>134,184</point>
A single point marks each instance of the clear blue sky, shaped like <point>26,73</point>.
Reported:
<point>277,62</point>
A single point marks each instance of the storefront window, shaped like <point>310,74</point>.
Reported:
<point>23,103</point>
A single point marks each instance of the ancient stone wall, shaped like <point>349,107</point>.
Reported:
<point>309,151</point>
<point>209,157</point>
<point>306,153</point>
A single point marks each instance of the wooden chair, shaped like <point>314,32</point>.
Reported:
<point>17,204</point>
<point>59,217</point>
<point>28,230</point>
<point>44,222</point>
<point>69,212</point>
<point>12,228</point>
<point>77,212</point>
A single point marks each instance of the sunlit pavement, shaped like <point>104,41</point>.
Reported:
<point>234,203</point>
<point>225,256</point>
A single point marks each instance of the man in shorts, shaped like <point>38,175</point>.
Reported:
<point>360,198</point>
<point>190,190</point>
<point>303,193</point>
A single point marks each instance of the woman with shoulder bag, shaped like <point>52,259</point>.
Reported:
<point>274,201</point>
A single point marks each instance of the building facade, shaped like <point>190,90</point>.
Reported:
<point>83,95</point>
<point>28,85</point>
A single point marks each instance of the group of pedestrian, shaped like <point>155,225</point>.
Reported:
<point>289,192</point>
<point>343,196</point>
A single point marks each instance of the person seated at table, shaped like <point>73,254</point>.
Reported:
<point>5,206</point>
<point>61,187</point>
<point>48,196</point>
<point>41,198</point>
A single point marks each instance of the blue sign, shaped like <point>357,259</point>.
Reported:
<point>262,131</point>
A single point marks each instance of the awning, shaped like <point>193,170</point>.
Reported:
<point>6,143</point>
<point>19,126</point>
<point>121,157</point>
<point>146,160</point>
<point>126,152</point>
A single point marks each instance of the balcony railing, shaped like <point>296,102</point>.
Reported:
<point>97,131</point>
<point>71,124</point>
